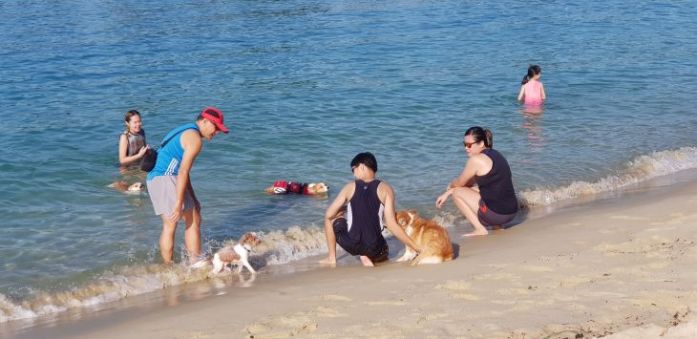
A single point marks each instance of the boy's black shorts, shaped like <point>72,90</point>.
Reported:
<point>377,252</point>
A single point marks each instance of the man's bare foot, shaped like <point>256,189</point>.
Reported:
<point>366,261</point>
<point>328,261</point>
<point>474,234</point>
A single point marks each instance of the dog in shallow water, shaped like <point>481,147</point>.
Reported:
<point>287,187</point>
<point>237,254</point>
<point>430,236</point>
<point>124,187</point>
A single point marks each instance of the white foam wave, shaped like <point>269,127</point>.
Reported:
<point>277,247</point>
<point>10,310</point>
<point>110,286</point>
<point>282,247</point>
<point>639,169</point>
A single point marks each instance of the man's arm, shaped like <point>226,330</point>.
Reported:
<point>191,143</point>
<point>339,202</point>
<point>329,217</point>
<point>386,195</point>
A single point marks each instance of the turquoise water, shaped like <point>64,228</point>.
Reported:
<point>305,85</point>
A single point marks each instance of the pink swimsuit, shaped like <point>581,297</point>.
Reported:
<point>533,93</point>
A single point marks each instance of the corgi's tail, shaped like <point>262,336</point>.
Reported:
<point>427,260</point>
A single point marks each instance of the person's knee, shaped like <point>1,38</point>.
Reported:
<point>194,227</point>
<point>460,197</point>
<point>196,213</point>
<point>463,192</point>
<point>459,193</point>
<point>339,225</point>
<point>468,196</point>
<point>192,218</point>
<point>169,227</point>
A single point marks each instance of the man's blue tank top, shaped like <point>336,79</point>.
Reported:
<point>169,157</point>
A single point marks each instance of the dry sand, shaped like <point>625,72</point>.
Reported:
<point>622,268</point>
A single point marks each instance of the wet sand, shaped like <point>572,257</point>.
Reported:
<point>622,267</point>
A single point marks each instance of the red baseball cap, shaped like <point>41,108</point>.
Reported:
<point>215,116</point>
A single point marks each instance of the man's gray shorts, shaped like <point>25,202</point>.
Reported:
<point>163,194</point>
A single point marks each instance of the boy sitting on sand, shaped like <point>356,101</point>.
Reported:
<point>367,200</point>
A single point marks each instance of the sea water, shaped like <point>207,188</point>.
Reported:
<point>306,85</point>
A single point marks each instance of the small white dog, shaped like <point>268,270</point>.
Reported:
<point>237,254</point>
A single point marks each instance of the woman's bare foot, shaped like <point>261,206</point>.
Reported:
<point>328,261</point>
<point>366,261</point>
<point>475,234</point>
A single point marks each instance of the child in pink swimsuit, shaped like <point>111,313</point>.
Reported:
<point>532,93</point>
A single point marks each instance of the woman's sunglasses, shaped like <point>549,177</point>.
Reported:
<point>469,144</point>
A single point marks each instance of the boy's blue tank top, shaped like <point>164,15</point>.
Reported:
<point>169,157</point>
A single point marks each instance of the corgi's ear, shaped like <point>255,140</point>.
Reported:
<point>401,218</point>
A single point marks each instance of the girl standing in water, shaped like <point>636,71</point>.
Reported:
<point>532,92</point>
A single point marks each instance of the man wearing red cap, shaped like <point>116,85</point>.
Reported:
<point>169,185</point>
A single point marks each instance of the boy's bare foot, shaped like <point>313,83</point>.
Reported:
<point>474,234</point>
<point>366,261</point>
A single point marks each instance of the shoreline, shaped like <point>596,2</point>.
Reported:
<point>596,268</point>
<point>285,250</point>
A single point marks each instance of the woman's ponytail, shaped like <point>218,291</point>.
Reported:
<point>525,80</point>
<point>489,138</point>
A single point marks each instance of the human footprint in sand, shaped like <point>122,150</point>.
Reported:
<point>484,190</point>
<point>354,220</point>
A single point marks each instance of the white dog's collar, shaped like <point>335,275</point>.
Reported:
<point>244,247</point>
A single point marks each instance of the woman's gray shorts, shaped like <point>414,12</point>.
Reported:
<point>163,194</point>
<point>489,218</point>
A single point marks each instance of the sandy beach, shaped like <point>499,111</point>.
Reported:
<point>616,268</point>
<point>605,166</point>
